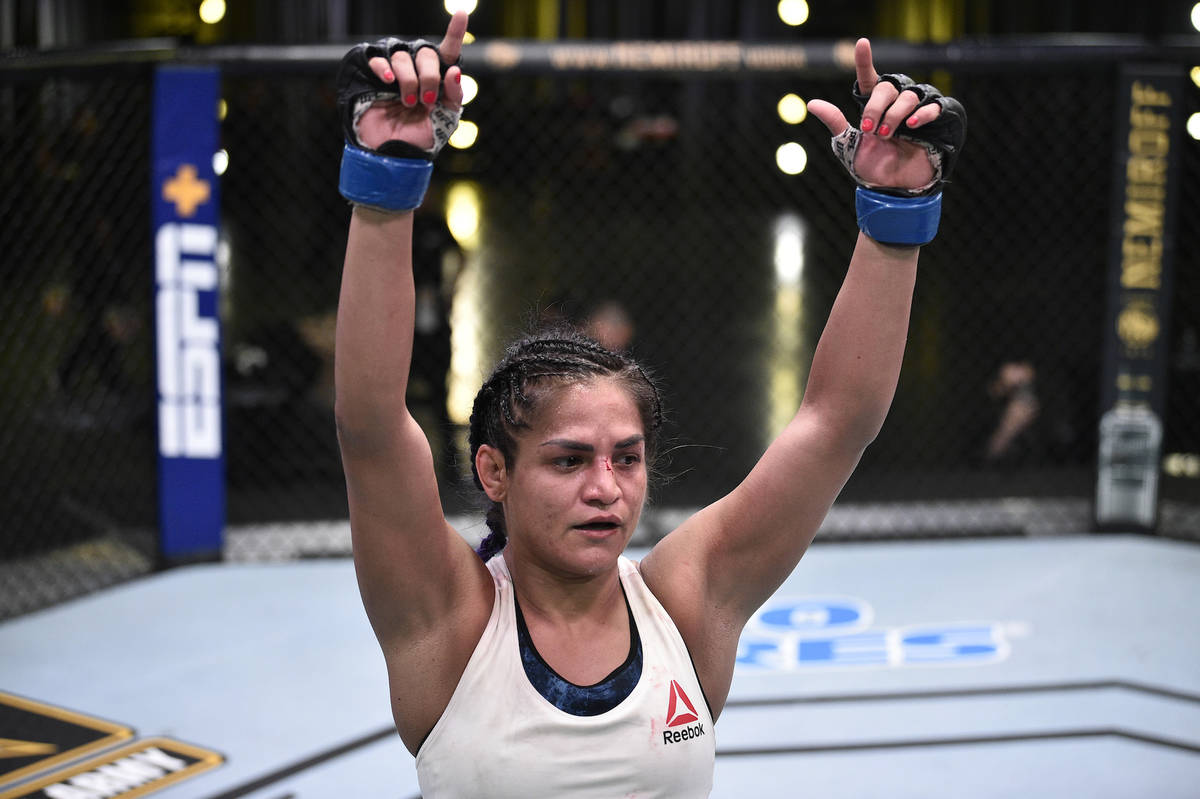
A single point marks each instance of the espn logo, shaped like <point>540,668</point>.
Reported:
<point>189,362</point>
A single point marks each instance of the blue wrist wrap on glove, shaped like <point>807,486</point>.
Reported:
<point>383,182</point>
<point>898,220</point>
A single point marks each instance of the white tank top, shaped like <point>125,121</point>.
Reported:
<point>499,737</point>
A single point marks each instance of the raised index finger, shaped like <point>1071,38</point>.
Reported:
<point>451,46</point>
<point>864,67</point>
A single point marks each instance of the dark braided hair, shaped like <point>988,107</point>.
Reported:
<point>532,367</point>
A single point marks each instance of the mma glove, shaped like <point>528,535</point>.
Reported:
<point>395,175</point>
<point>903,216</point>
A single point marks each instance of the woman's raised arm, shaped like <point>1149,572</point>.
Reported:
<point>399,103</point>
<point>736,552</point>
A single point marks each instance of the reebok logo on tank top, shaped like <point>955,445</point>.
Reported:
<point>681,713</point>
<point>676,716</point>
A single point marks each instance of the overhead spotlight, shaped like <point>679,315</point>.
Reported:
<point>789,249</point>
<point>793,12</point>
<point>1196,16</point>
<point>465,136</point>
<point>792,109</point>
<point>470,88</point>
<point>453,6</point>
<point>1193,125</point>
<point>463,213</point>
<point>212,11</point>
<point>220,162</point>
<point>791,158</point>
<point>1195,73</point>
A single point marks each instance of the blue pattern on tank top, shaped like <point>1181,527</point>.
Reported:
<point>581,700</point>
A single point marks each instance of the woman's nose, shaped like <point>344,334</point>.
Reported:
<point>602,483</point>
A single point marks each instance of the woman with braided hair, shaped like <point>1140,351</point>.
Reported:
<point>534,366</point>
<point>548,663</point>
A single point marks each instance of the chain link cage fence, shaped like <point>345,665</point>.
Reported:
<point>651,204</point>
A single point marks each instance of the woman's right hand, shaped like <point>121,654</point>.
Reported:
<point>421,88</point>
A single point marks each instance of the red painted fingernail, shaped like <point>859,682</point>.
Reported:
<point>884,130</point>
<point>912,121</point>
<point>867,124</point>
<point>410,99</point>
<point>388,76</point>
<point>429,97</point>
<point>458,77</point>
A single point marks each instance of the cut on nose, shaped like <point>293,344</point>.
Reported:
<point>603,485</point>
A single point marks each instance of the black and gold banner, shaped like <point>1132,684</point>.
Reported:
<point>136,769</point>
<point>35,736</point>
<point>1141,255</point>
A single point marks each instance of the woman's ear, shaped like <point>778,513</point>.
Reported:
<point>490,466</point>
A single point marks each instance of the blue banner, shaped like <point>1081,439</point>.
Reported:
<point>191,461</point>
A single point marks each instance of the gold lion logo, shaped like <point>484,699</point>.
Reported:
<point>1137,325</point>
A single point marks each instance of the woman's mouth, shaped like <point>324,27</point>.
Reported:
<point>597,527</point>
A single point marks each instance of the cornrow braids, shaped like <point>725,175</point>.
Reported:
<point>531,368</point>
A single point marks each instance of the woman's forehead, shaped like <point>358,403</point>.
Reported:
<point>600,406</point>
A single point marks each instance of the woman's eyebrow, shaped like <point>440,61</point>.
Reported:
<point>567,443</point>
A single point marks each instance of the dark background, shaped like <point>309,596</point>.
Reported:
<point>581,202</point>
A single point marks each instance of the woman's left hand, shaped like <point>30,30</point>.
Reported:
<point>880,154</point>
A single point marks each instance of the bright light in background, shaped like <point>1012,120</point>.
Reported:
<point>220,162</point>
<point>464,212</point>
<point>212,11</point>
<point>222,109</point>
<point>793,12</point>
<point>1193,125</point>
<point>1196,76</point>
<point>465,136</point>
<point>466,348</point>
<point>1182,464</point>
<point>789,250</point>
<point>787,366</point>
<point>791,158</point>
<point>463,208</point>
<point>1196,16</point>
<point>461,5</point>
<point>792,109</point>
<point>470,88</point>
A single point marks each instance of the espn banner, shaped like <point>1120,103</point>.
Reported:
<point>191,473</point>
<point>1141,253</point>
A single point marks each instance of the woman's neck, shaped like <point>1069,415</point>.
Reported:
<point>559,599</point>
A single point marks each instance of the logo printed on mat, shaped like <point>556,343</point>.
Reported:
<point>794,633</point>
<point>677,716</point>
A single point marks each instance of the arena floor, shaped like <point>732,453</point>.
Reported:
<point>1054,667</point>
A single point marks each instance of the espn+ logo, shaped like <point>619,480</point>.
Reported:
<point>189,362</point>
<point>800,633</point>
